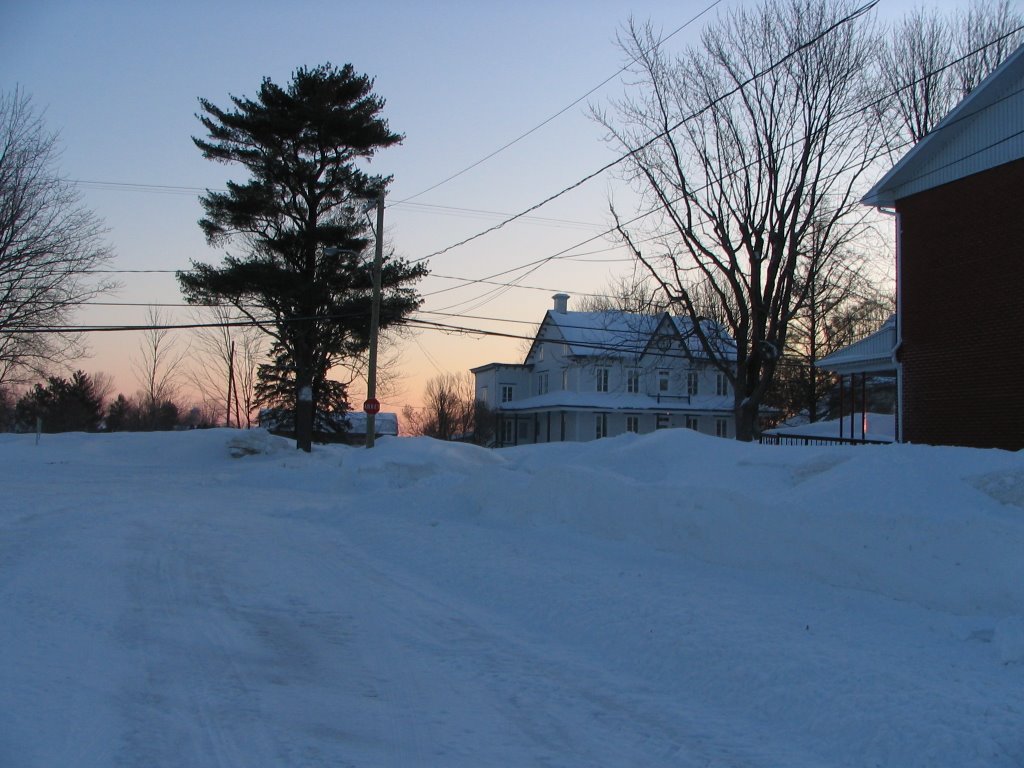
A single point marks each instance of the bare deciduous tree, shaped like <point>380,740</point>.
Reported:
<point>226,359</point>
<point>48,245</point>
<point>841,305</point>
<point>159,366</point>
<point>760,137</point>
<point>638,294</point>
<point>450,408</point>
<point>916,63</point>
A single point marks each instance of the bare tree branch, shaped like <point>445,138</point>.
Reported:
<point>48,243</point>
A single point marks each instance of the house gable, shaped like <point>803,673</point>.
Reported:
<point>982,132</point>
<point>586,376</point>
<point>959,195</point>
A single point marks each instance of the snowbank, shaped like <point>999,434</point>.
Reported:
<point>658,600</point>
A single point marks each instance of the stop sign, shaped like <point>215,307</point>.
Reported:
<point>371,406</point>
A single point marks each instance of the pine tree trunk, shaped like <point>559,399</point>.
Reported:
<point>303,411</point>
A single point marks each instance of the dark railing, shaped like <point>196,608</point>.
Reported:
<point>779,438</point>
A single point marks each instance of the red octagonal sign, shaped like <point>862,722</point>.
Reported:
<point>371,406</point>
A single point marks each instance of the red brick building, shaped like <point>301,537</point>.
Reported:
<point>959,202</point>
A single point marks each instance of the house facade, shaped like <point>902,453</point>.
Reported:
<point>958,196</point>
<point>590,375</point>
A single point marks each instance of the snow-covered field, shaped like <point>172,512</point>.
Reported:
<point>665,600</point>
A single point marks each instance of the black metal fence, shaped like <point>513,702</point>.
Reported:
<point>779,438</point>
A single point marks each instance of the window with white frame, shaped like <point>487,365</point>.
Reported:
<point>632,423</point>
<point>508,392</point>
<point>633,380</point>
<point>540,353</point>
<point>692,422</point>
<point>601,378</point>
<point>601,425</point>
<point>721,384</point>
<point>692,383</point>
<point>565,379</point>
<point>663,381</point>
<point>722,427</point>
<point>542,383</point>
<point>507,427</point>
<point>664,421</point>
<point>485,395</point>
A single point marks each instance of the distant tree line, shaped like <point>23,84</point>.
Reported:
<point>79,403</point>
<point>450,412</point>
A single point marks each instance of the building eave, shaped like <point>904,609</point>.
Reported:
<point>911,168</point>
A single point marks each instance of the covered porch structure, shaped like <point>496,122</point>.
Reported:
<point>873,356</point>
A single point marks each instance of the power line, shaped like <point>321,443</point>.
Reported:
<point>710,105</point>
<point>451,210</point>
<point>870,105</point>
<point>534,265</point>
<point>559,113</point>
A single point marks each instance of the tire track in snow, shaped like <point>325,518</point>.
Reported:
<point>522,690</point>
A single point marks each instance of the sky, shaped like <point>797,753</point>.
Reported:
<point>120,81</point>
<point>668,600</point>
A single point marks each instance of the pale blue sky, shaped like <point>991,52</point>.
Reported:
<point>120,80</point>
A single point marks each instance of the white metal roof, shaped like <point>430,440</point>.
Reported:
<point>869,355</point>
<point>983,131</point>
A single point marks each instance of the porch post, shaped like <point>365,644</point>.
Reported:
<point>842,386</point>
<point>863,406</point>
<point>853,402</point>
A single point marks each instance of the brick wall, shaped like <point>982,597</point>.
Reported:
<point>962,253</point>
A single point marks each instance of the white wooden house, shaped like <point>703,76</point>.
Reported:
<point>598,374</point>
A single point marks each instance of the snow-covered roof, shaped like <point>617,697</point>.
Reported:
<point>981,132</point>
<point>283,418</point>
<point>600,334</point>
<point>497,366</point>
<point>383,424</point>
<point>716,334</point>
<point>625,334</point>
<point>870,354</point>
<point>605,401</point>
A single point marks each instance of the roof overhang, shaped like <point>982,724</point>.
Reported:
<point>923,167</point>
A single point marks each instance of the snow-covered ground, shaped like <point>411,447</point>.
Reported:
<point>874,426</point>
<point>664,600</point>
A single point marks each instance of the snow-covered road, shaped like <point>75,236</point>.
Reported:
<point>664,601</point>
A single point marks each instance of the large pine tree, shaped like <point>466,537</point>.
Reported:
<point>298,223</point>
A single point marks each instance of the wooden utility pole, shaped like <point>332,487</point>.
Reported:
<point>371,377</point>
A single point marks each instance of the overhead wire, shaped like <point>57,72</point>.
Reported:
<point>559,113</point>
<point>632,152</point>
<point>868,106</point>
<point>536,263</point>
